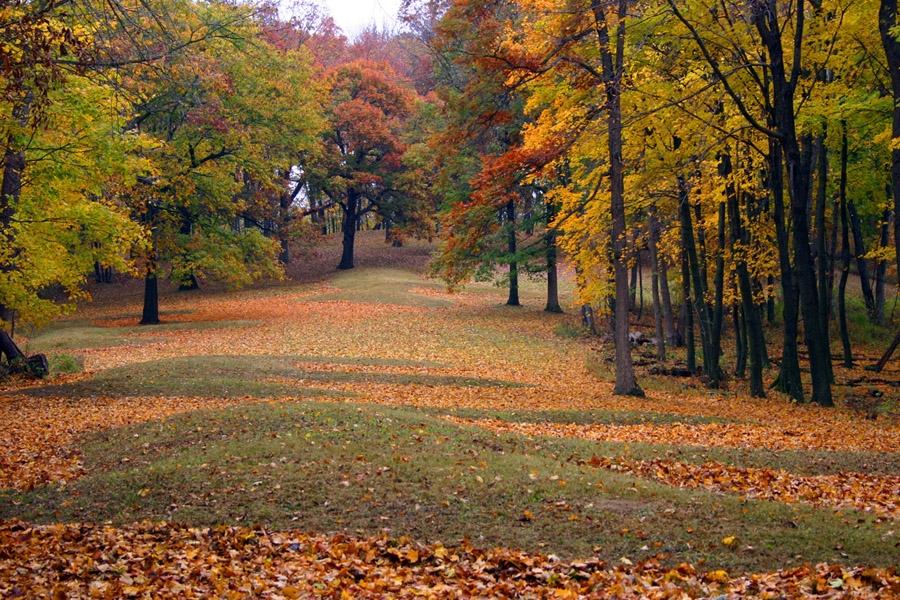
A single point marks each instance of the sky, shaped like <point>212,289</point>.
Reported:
<point>352,16</point>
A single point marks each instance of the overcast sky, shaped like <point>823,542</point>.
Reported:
<point>354,15</point>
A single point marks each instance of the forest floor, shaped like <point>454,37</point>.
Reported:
<point>366,433</point>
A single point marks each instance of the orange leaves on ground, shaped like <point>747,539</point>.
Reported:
<point>166,561</point>
<point>36,442</point>
<point>774,436</point>
<point>873,493</point>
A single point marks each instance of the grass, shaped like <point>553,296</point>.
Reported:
<point>239,376</point>
<point>365,469</point>
<point>80,334</point>
<point>383,286</point>
<point>65,364</point>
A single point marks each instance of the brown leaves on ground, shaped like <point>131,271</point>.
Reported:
<point>36,444</point>
<point>776,436</point>
<point>873,493</point>
<point>166,561</point>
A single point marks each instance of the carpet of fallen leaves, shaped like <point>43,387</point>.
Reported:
<point>466,335</point>
<point>166,561</point>
<point>867,492</point>
<point>40,449</point>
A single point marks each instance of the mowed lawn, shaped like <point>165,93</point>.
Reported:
<point>372,402</point>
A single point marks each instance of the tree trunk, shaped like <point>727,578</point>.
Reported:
<point>512,248</point>
<point>552,267</point>
<point>718,309</point>
<point>11,187</point>
<point>672,337</point>
<point>654,285</point>
<point>640,267</point>
<point>150,315</point>
<point>9,348</point>
<point>862,265</point>
<point>821,250</point>
<point>612,70</point>
<point>349,226</point>
<point>887,20</point>
<point>835,220</point>
<point>632,287</point>
<point>797,159</point>
<point>688,314</point>
<point>740,342</point>
<point>704,314</point>
<point>845,256</point>
<point>888,354</point>
<point>881,268</point>
<point>740,242</point>
<point>788,380</point>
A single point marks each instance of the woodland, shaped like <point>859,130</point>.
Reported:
<point>520,298</point>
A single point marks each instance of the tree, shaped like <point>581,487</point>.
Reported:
<point>221,115</point>
<point>360,163</point>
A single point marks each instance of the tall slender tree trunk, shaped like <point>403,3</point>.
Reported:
<point>552,266</point>
<point>654,285</point>
<point>832,255</point>
<point>754,339</point>
<point>688,314</point>
<point>821,249</point>
<point>708,338</point>
<point>512,248</point>
<point>632,287</point>
<point>657,317</point>
<point>797,158</point>
<point>612,71</point>
<point>672,337</point>
<point>150,313</point>
<point>845,256</point>
<point>788,380</point>
<point>887,20</point>
<point>349,227</point>
<point>862,265</point>
<point>740,341</point>
<point>881,268</point>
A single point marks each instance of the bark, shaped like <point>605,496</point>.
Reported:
<point>797,159</point>
<point>640,281</point>
<point>708,339</point>
<point>821,250</point>
<point>859,252</point>
<point>513,299</point>
<point>788,380</point>
<point>718,293</point>
<point>9,348</point>
<point>552,267</point>
<point>835,220</point>
<point>150,313</point>
<point>740,362</point>
<point>740,244</point>
<point>881,269</point>
<point>632,287</point>
<point>672,337</point>
<point>887,20</point>
<point>845,257</point>
<point>770,302</point>
<point>349,227</point>
<point>654,278</point>
<point>11,187</point>
<point>612,71</point>
<point>888,354</point>
<point>688,314</point>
